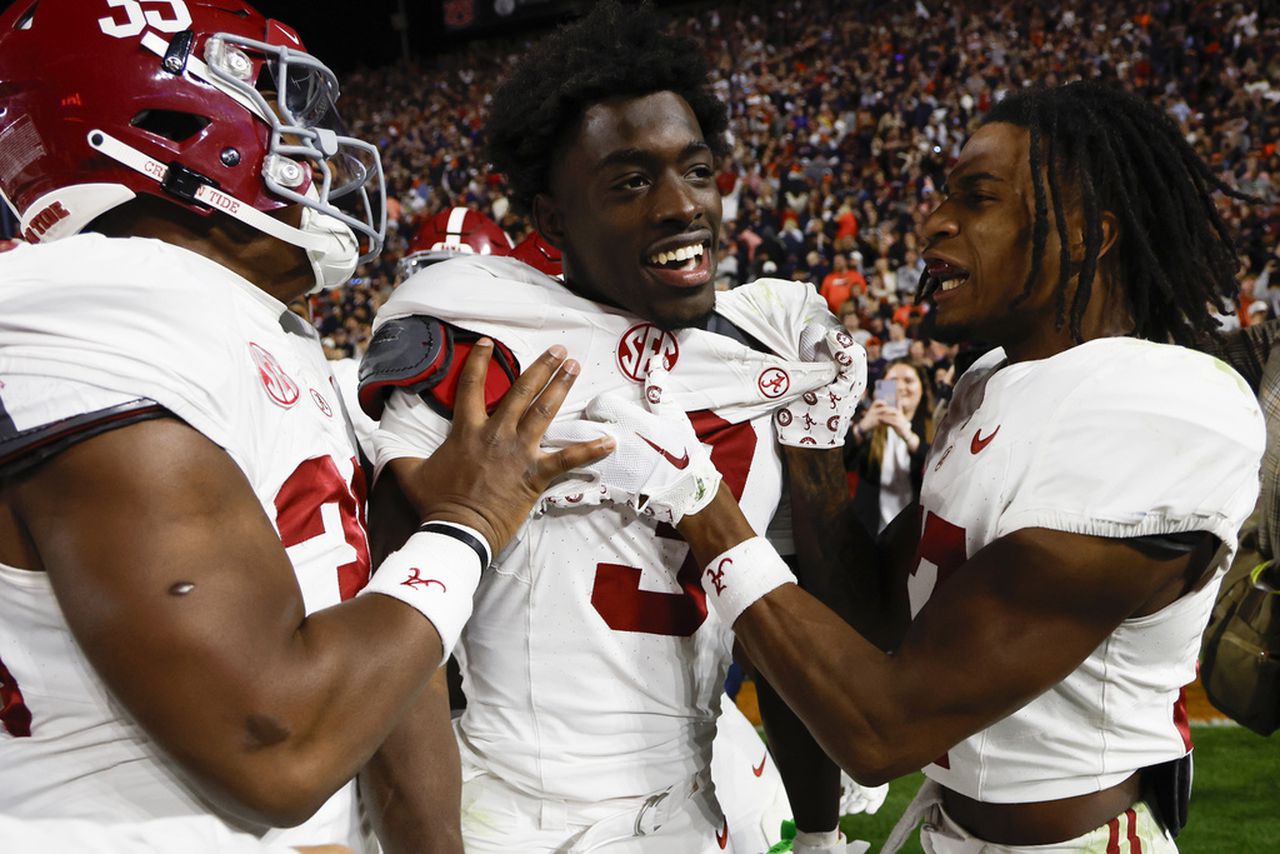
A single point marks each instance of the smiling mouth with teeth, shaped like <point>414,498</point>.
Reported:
<point>680,258</point>
<point>940,277</point>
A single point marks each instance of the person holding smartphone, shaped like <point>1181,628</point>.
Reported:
<point>888,444</point>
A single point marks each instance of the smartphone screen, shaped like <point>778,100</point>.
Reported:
<point>887,390</point>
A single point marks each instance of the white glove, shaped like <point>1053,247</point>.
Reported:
<point>857,798</point>
<point>820,418</point>
<point>660,467</point>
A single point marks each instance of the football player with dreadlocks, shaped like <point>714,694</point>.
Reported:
<point>1080,504</point>
<point>182,532</point>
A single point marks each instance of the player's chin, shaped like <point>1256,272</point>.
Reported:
<point>950,331</point>
<point>689,310</point>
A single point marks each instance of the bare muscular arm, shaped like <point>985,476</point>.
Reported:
<point>840,565</point>
<point>177,587</point>
<point>1023,613</point>
<point>838,561</point>
<point>413,785</point>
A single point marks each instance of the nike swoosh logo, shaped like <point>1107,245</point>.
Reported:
<point>978,442</point>
<point>678,462</point>
<point>722,836</point>
<point>759,769</point>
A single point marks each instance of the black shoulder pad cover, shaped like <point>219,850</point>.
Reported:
<point>23,450</point>
<point>412,353</point>
<point>724,326</point>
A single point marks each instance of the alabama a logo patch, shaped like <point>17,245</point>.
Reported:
<point>773,382</point>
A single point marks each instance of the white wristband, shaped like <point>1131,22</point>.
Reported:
<point>743,574</point>
<point>436,574</point>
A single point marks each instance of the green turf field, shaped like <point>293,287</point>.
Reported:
<point>1235,803</point>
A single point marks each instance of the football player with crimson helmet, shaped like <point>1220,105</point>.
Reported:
<point>182,532</point>
<point>450,233</point>
<point>535,251</point>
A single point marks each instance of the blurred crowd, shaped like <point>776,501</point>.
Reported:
<point>845,116</point>
<point>844,119</point>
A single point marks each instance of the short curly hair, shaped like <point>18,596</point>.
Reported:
<point>610,52</point>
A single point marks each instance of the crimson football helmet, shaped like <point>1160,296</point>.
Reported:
<point>448,234</point>
<point>204,103</point>
<point>535,251</point>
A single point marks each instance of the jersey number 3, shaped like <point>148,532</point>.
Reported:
<point>300,516</point>
<point>616,594</point>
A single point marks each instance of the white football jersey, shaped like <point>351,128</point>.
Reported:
<point>591,665</point>
<point>88,324</point>
<point>1117,437</point>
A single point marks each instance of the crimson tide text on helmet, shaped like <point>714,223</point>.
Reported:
<point>450,233</point>
<point>535,251</point>
<point>204,103</point>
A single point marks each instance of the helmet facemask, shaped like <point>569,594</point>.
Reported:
<point>310,159</point>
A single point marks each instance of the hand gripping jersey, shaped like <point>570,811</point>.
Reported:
<point>1116,437</point>
<point>92,327</point>
<point>591,666</point>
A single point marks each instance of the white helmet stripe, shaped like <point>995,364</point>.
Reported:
<point>214,198</point>
<point>453,231</point>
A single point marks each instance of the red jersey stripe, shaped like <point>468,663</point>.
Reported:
<point>1135,844</point>
<point>1113,843</point>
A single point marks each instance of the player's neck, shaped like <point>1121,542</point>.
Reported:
<point>1107,315</point>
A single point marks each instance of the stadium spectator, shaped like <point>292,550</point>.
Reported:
<point>898,344</point>
<point>841,284</point>
<point>888,445</point>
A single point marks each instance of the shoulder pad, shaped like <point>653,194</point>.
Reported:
<point>724,326</point>
<point>22,450</point>
<point>423,356</point>
<point>407,353</point>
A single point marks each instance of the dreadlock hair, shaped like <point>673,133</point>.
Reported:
<point>610,52</point>
<point>1114,152</point>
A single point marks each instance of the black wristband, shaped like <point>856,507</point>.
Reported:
<point>462,534</point>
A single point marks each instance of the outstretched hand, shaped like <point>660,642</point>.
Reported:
<point>490,471</point>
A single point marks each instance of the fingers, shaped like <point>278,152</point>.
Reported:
<point>538,417</point>
<point>469,404</point>
<point>530,383</point>
<point>576,456</point>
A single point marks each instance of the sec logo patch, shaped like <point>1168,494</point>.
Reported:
<point>279,386</point>
<point>640,345</point>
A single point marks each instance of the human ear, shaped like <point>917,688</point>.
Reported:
<point>1110,228</point>
<point>547,220</point>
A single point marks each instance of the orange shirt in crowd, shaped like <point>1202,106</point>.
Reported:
<point>838,288</point>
